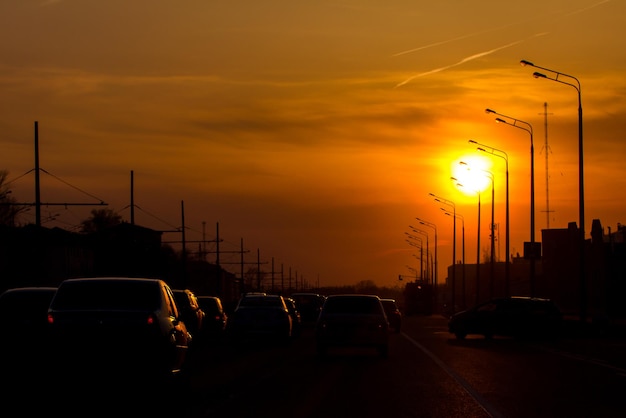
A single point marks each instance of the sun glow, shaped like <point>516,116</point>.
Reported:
<point>471,174</point>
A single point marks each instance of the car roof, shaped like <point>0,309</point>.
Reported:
<point>353,295</point>
<point>112,278</point>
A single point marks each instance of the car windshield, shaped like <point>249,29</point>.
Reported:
<point>352,305</point>
<point>108,295</point>
<point>260,302</point>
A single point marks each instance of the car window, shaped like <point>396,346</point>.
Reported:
<point>352,305</point>
<point>93,295</point>
<point>261,301</point>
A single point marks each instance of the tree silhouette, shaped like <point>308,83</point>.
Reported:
<point>100,220</point>
<point>8,207</point>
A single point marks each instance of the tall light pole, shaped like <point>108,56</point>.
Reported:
<point>414,271</point>
<point>456,215</point>
<point>434,227</point>
<point>493,233</point>
<point>477,242</point>
<point>581,189</point>
<point>507,265</point>
<point>492,260</point>
<point>511,121</point>
<point>421,231</point>
<point>452,205</point>
<point>421,248</point>
<point>421,276</point>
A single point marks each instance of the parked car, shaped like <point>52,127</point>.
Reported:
<point>190,311</point>
<point>309,305</point>
<point>352,320</point>
<point>117,324</point>
<point>216,319</point>
<point>394,316</point>
<point>514,316</point>
<point>296,318</point>
<point>24,313</point>
<point>259,316</point>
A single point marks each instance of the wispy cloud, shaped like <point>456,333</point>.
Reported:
<point>466,59</point>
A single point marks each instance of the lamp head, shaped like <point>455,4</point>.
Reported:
<point>490,111</point>
<point>481,149</point>
<point>524,63</point>
<point>500,120</point>
<point>471,141</point>
<point>539,75</point>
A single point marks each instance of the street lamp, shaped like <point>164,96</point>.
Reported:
<point>581,189</point>
<point>420,246</point>
<point>477,243</point>
<point>421,276</point>
<point>491,177</point>
<point>499,153</point>
<point>420,231</point>
<point>434,227</point>
<point>528,128</point>
<point>414,271</point>
<point>456,215</point>
<point>452,205</point>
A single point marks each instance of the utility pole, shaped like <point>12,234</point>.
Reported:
<point>37,184</point>
<point>38,203</point>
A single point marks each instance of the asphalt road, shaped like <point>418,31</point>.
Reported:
<point>428,374</point>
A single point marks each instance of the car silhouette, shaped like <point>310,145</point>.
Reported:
<point>352,320</point>
<point>515,316</point>
<point>117,325</point>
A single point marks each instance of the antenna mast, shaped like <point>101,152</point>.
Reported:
<point>547,150</point>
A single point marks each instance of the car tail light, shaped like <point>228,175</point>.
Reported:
<point>151,319</point>
<point>50,319</point>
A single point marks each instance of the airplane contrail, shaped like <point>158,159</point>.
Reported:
<point>467,59</point>
<point>469,35</point>
<point>458,38</point>
<point>584,9</point>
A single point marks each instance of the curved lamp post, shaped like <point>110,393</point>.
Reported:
<point>507,265</point>
<point>420,231</point>
<point>451,204</point>
<point>456,215</point>
<point>421,248</point>
<point>477,242</point>
<point>434,227</point>
<point>492,264</point>
<point>581,190</point>
<point>528,128</point>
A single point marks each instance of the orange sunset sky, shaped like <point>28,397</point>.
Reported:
<point>314,131</point>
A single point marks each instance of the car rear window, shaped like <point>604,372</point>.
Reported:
<point>260,301</point>
<point>108,295</point>
<point>352,305</point>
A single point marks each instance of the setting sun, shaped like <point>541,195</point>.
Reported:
<point>471,174</point>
